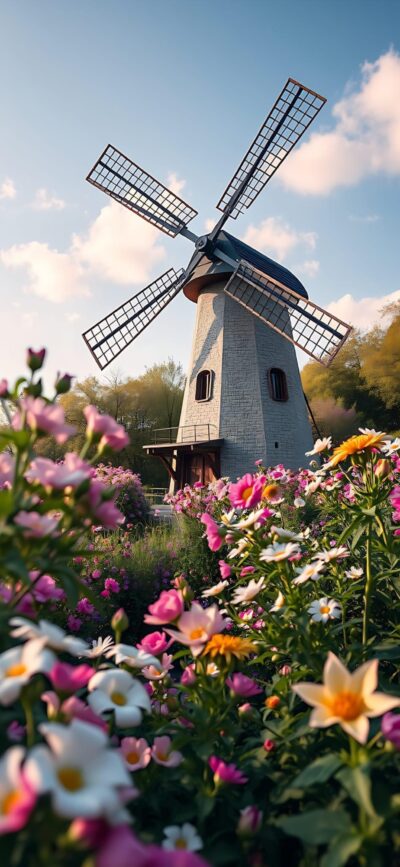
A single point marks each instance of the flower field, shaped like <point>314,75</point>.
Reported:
<point>241,711</point>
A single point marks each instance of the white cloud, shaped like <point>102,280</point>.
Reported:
<point>119,246</point>
<point>72,317</point>
<point>7,189</point>
<point>51,275</point>
<point>362,312</point>
<point>43,201</point>
<point>275,237</point>
<point>209,224</point>
<point>310,267</point>
<point>175,184</point>
<point>368,218</point>
<point>365,140</point>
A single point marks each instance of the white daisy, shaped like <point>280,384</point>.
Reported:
<point>298,502</point>
<point>77,768</point>
<point>285,535</point>
<point>276,552</point>
<point>354,573</point>
<point>101,647</point>
<point>116,690</point>
<point>320,445</point>
<point>248,592</point>
<point>215,590</point>
<point>332,554</point>
<point>312,570</point>
<point>393,446</point>
<point>324,609</point>
<point>279,603</point>
<point>132,656</point>
<point>17,666</point>
<point>182,837</point>
<point>54,636</point>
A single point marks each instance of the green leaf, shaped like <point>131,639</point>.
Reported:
<point>6,503</point>
<point>317,772</point>
<point>316,827</point>
<point>350,529</point>
<point>358,784</point>
<point>383,651</point>
<point>341,849</point>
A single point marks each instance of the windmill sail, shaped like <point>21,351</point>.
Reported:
<point>110,336</point>
<point>312,329</point>
<point>294,110</point>
<point>127,183</point>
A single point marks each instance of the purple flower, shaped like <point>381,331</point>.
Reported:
<point>390,728</point>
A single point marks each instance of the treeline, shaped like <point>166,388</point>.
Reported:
<point>362,385</point>
<point>141,404</point>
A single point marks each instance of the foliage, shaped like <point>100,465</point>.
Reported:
<point>130,497</point>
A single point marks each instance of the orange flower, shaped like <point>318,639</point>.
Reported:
<point>354,445</point>
<point>228,646</point>
<point>271,492</point>
<point>272,702</point>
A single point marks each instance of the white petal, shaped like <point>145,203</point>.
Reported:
<point>357,728</point>
<point>127,716</point>
<point>39,769</point>
<point>336,676</point>
<point>111,769</point>
<point>365,678</point>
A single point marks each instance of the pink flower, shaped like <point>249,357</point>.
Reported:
<point>103,510</point>
<point>36,526</point>
<point>224,773</point>
<point>196,626</point>
<point>3,388</point>
<point>247,492</point>
<point>85,607</point>
<point>390,728</point>
<point>119,848</point>
<point>71,473</point>
<point>247,570</point>
<point>15,731</point>
<point>249,821</point>
<point>74,623</point>
<point>215,534</point>
<point>136,753</point>
<point>166,609</point>
<point>155,643</point>
<point>111,585</point>
<point>71,708</point>
<point>7,465</point>
<point>35,358</point>
<point>46,418</point>
<point>96,574</point>
<point>224,569</point>
<point>45,588</point>
<point>153,673</point>
<point>111,433</point>
<point>17,797</point>
<point>242,686</point>
<point>188,677</point>
<point>163,754</point>
<point>269,745</point>
<point>70,678</point>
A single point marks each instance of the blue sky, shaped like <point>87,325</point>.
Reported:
<point>182,86</point>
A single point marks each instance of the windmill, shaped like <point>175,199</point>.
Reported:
<point>243,398</point>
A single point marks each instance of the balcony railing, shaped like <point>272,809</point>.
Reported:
<point>190,433</point>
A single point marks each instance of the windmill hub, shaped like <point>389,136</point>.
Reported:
<point>204,245</point>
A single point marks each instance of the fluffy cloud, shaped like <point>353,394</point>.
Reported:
<point>43,201</point>
<point>175,184</point>
<point>275,237</point>
<point>7,189</point>
<point>365,140</point>
<point>362,312</point>
<point>51,275</point>
<point>367,218</point>
<point>310,267</point>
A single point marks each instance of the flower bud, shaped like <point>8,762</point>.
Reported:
<point>272,702</point>
<point>383,468</point>
<point>119,621</point>
<point>4,388</point>
<point>35,359</point>
<point>63,383</point>
<point>285,670</point>
<point>250,821</point>
<point>269,745</point>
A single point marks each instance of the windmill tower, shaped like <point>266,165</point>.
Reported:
<point>243,398</point>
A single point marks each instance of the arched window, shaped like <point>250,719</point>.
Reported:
<point>204,383</point>
<point>277,384</point>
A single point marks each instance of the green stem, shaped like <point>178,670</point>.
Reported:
<point>30,722</point>
<point>369,586</point>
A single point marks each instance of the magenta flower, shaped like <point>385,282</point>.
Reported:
<point>70,678</point>
<point>163,754</point>
<point>247,570</point>
<point>105,428</point>
<point>35,358</point>
<point>224,569</point>
<point>111,585</point>
<point>104,511</point>
<point>247,492</point>
<point>188,677</point>
<point>136,753</point>
<point>46,418</point>
<point>16,732</point>
<point>224,773</point>
<point>85,607</point>
<point>17,797</point>
<point>45,588</point>
<point>70,473</point>
<point>242,686</point>
<point>34,525</point>
<point>215,534</point>
<point>71,708</point>
<point>390,728</point>
<point>155,643</point>
<point>167,608</point>
<point>74,623</point>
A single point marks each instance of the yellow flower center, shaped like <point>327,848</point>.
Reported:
<point>270,491</point>
<point>10,801</point>
<point>16,670</point>
<point>246,494</point>
<point>347,705</point>
<point>132,757</point>
<point>163,757</point>
<point>197,633</point>
<point>324,609</point>
<point>180,843</point>
<point>70,778</point>
<point>118,698</point>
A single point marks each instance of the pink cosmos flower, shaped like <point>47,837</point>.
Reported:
<point>242,686</point>
<point>153,673</point>
<point>136,753</point>
<point>197,625</point>
<point>7,466</point>
<point>70,678</point>
<point>247,492</point>
<point>103,511</point>
<point>36,526</point>
<point>155,643</point>
<point>71,708</point>
<point>224,569</point>
<point>167,608</point>
<point>47,418</point>
<point>71,473</point>
<point>224,773</point>
<point>17,797</point>
<point>215,534</point>
<point>163,754</point>
<point>110,432</point>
